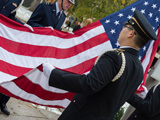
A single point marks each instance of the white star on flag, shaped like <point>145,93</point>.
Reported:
<point>157,19</point>
<point>145,3</point>
<point>143,11</point>
<point>112,31</point>
<point>153,28</point>
<point>133,9</point>
<point>120,14</point>
<point>154,6</point>
<point>129,16</point>
<point>116,22</point>
<point>144,48</point>
<point>150,14</point>
<point>107,21</point>
<point>117,44</point>
<point>140,57</point>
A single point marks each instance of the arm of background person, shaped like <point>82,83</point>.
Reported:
<point>7,9</point>
<point>37,16</point>
<point>148,106</point>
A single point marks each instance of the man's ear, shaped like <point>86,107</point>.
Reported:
<point>131,33</point>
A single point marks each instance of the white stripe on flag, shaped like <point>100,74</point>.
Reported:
<point>6,77</point>
<point>32,62</point>
<point>146,61</point>
<point>43,40</point>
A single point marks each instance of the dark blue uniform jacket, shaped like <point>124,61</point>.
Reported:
<point>97,98</point>
<point>45,15</point>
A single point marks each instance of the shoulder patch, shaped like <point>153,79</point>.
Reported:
<point>119,51</point>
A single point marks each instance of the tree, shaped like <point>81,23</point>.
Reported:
<point>97,9</point>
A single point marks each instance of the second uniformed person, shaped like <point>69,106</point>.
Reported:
<point>111,81</point>
<point>50,14</point>
<point>8,8</point>
<point>148,108</point>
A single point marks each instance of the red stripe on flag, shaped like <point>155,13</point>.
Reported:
<point>12,69</point>
<point>32,88</point>
<point>5,91</point>
<point>18,71</point>
<point>51,52</point>
<point>83,67</point>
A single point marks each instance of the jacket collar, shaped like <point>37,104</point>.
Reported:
<point>57,9</point>
<point>130,50</point>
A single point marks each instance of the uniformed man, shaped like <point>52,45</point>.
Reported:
<point>148,108</point>
<point>113,79</point>
<point>8,8</point>
<point>50,14</point>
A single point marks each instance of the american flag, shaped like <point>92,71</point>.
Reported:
<point>23,51</point>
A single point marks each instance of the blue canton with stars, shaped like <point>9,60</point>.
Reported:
<point>113,23</point>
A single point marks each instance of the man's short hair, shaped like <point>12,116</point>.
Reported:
<point>140,41</point>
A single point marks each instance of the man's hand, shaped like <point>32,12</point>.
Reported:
<point>47,69</point>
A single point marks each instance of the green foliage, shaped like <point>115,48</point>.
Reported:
<point>97,9</point>
<point>119,114</point>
